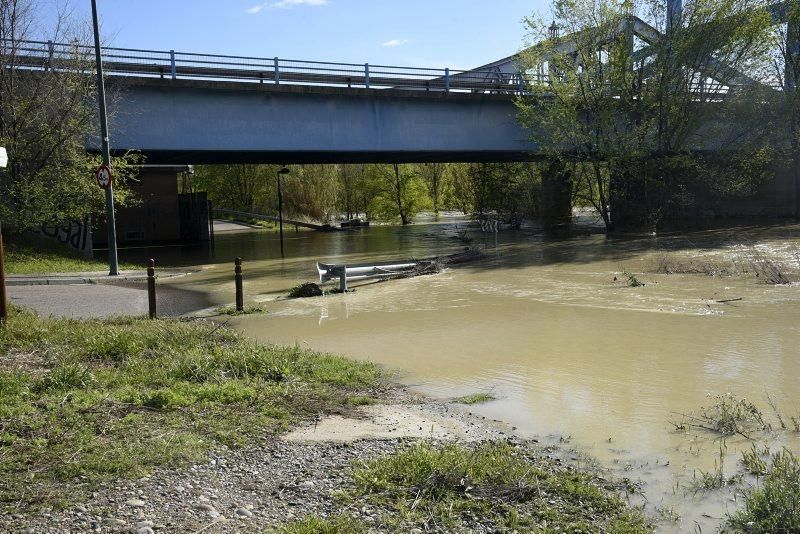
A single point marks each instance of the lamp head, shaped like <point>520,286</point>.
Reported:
<point>284,170</point>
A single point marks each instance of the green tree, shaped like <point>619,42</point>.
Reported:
<point>312,191</point>
<point>403,192</point>
<point>633,105</point>
<point>435,176</point>
<point>241,187</point>
<point>45,118</point>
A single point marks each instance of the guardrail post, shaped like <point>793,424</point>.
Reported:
<point>277,72</point>
<point>151,288</point>
<point>50,54</point>
<point>447,80</point>
<point>366,75</point>
<point>238,279</point>
<point>173,70</point>
<point>343,279</point>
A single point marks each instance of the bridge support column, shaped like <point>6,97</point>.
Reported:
<point>791,79</point>
<point>556,199</point>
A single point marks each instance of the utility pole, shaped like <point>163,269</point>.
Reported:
<point>113,265</point>
<point>3,296</point>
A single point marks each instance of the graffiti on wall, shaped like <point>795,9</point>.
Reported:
<point>76,235</point>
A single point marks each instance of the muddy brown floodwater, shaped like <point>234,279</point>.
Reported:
<point>570,354</point>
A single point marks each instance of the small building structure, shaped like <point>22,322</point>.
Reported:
<point>160,214</point>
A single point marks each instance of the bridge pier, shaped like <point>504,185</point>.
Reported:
<point>556,199</point>
<point>791,79</point>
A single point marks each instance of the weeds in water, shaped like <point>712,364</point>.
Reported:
<point>667,514</point>
<point>632,280</point>
<point>775,505</point>
<point>708,480</point>
<point>475,398</point>
<point>727,415</point>
<point>754,460</point>
<point>307,290</point>
<point>771,271</point>
<point>248,310</point>
<point>666,264</point>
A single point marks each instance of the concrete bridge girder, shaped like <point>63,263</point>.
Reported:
<point>219,122</point>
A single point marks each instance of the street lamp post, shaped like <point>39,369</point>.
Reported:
<point>283,170</point>
<point>113,266</point>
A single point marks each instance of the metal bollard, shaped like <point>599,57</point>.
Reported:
<point>238,278</point>
<point>151,287</point>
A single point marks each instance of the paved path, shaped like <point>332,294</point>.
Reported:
<point>104,300</point>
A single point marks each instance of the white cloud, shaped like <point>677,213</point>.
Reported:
<point>395,42</point>
<point>284,4</point>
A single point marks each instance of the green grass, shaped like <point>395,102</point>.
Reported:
<point>248,310</point>
<point>496,486</point>
<point>475,398</point>
<point>47,258</point>
<point>774,506</point>
<point>89,401</point>
<point>338,524</point>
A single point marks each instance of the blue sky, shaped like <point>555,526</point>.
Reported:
<point>425,33</point>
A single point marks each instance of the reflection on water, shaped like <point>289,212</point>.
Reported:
<point>542,324</point>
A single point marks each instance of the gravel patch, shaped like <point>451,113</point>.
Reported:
<point>257,487</point>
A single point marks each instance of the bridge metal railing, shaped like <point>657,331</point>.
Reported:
<point>187,65</point>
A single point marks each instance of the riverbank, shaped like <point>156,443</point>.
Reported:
<point>135,425</point>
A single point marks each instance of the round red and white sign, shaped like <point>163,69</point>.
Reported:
<point>103,176</point>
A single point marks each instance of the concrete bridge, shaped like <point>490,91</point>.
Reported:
<point>215,121</point>
<point>205,108</point>
<point>179,107</point>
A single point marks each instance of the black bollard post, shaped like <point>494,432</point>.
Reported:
<point>239,293</point>
<point>151,287</point>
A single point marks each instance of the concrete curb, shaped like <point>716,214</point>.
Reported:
<point>78,280</point>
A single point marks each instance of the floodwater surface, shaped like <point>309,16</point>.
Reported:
<point>553,329</point>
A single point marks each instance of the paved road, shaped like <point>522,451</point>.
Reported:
<point>90,300</point>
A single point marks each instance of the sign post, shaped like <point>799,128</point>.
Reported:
<point>113,265</point>
<point>3,296</point>
<point>103,177</point>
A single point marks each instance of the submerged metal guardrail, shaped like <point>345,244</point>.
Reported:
<point>363,271</point>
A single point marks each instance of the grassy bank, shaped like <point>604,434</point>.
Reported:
<point>82,402</point>
<point>493,487</point>
<point>26,258</point>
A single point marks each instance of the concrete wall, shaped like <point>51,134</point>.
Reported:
<point>187,121</point>
<point>155,218</point>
